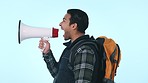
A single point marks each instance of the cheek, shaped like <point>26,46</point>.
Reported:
<point>65,28</point>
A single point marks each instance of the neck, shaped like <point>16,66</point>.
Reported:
<point>77,35</point>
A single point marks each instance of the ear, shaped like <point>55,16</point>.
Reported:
<point>74,26</point>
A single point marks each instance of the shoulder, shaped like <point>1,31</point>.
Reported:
<point>84,46</point>
<point>82,53</point>
<point>85,49</point>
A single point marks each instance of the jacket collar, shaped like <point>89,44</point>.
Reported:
<point>69,44</point>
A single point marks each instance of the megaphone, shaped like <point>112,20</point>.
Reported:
<point>26,32</point>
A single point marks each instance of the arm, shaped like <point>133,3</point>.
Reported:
<point>49,59</point>
<point>51,63</point>
<point>84,64</point>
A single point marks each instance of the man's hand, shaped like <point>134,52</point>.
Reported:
<point>45,45</point>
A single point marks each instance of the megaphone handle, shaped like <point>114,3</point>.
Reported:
<point>44,38</point>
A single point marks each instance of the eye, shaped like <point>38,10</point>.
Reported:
<point>64,20</point>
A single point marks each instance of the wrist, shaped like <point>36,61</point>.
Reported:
<point>46,53</point>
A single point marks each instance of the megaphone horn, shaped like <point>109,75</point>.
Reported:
<point>26,32</point>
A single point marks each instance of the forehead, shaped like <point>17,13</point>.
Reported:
<point>67,16</point>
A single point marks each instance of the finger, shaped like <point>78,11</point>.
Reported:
<point>41,45</point>
<point>47,47</point>
<point>41,40</point>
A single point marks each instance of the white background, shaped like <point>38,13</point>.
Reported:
<point>126,21</point>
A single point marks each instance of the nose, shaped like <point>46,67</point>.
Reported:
<point>60,24</point>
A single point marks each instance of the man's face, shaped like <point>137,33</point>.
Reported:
<point>66,27</point>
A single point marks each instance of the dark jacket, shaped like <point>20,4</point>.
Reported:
<point>82,69</point>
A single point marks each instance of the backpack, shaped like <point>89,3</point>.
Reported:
<point>108,57</point>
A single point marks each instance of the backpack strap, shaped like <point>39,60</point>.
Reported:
<point>119,57</point>
<point>113,55</point>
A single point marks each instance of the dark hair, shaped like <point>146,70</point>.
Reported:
<point>80,17</point>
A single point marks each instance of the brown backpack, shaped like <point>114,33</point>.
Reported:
<point>112,54</point>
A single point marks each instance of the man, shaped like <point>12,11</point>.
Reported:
<point>74,24</point>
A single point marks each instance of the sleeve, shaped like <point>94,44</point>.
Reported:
<point>51,63</point>
<point>84,62</point>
